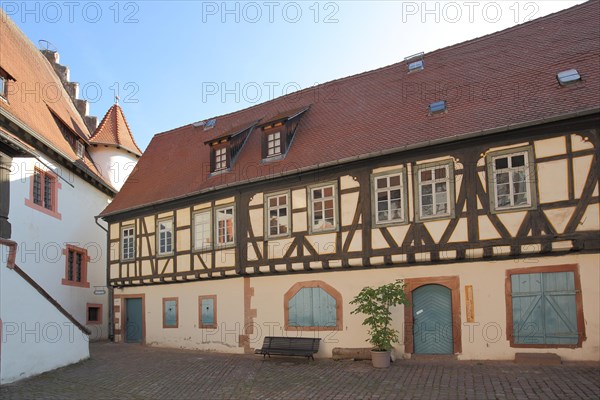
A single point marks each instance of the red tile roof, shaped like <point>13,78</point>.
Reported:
<point>114,130</point>
<point>36,93</point>
<point>500,80</point>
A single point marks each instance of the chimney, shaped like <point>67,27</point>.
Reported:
<point>72,88</point>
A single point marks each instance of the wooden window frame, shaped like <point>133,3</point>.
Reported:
<point>201,325</point>
<point>269,141</point>
<point>267,208</point>
<point>83,283</point>
<point>164,312</point>
<point>578,304</point>
<point>231,243</point>
<point>403,201</point>
<point>336,207</point>
<point>55,187</point>
<point>210,246</point>
<point>3,87</point>
<point>531,182</point>
<point>158,233</point>
<point>227,157</point>
<point>450,182</point>
<point>339,306</point>
<point>87,315</point>
<point>123,229</point>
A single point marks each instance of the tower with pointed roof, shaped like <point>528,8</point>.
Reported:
<point>114,149</point>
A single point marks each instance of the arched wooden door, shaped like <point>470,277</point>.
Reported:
<point>432,320</point>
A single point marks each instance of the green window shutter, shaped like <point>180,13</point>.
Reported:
<point>544,308</point>
<point>170,313</point>
<point>312,307</point>
<point>208,312</point>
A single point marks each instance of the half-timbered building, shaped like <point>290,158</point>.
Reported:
<point>470,172</point>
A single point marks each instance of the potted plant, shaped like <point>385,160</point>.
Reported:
<point>375,303</point>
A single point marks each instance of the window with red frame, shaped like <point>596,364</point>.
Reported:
<point>44,188</point>
<point>76,267</point>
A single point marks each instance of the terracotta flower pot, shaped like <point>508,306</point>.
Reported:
<point>380,359</point>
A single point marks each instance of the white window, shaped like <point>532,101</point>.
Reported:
<point>434,191</point>
<point>220,159</point>
<point>165,236</point>
<point>273,144</point>
<point>202,230</point>
<point>225,226</point>
<point>389,198</point>
<point>278,215</point>
<point>80,149</point>
<point>511,180</point>
<point>128,243</point>
<point>2,86</point>
<point>323,209</point>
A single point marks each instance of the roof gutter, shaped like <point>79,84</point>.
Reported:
<point>455,138</point>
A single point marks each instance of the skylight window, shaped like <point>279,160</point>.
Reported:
<point>415,62</point>
<point>210,124</point>
<point>416,66</point>
<point>567,77</point>
<point>438,107</point>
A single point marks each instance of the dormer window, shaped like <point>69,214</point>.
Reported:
<point>225,148</point>
<point>221,159</point>
<point>2,87</point>
<point>80,148</point>
<point>278,133</point>
<point>273,144</point>
<point>4,78</point>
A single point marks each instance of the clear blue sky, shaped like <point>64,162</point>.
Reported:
<point>177,62</point>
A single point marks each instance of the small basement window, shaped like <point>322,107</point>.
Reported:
<point>567,77</point>
<point>438,107</point>
<point>94,314</point>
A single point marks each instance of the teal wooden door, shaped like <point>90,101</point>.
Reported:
<point>134,327</point>
<point>544,308</point>
<point>432,318</point>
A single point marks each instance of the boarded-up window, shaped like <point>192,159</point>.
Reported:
<point>208,311</point>
<point>312,307</point>
<point>170,315</point>
<point>544,308</point>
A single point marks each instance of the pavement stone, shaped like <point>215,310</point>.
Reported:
<point>120,371</point>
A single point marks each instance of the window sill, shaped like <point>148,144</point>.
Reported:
<point>434,218</point>
<point>213,326</point>
<point>51,213</point>
<point>392,223</point>
<point>312,328</point>
<point>67,282</point>
<point>320,231</point>
<point>512,209</point>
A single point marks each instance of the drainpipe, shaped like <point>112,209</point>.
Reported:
<point>111,326</point>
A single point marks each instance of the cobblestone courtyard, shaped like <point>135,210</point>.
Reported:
<point>136,372</point>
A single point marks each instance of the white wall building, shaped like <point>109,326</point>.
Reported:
<point>53,291</point>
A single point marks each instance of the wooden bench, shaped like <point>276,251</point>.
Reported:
<point>287,346</point>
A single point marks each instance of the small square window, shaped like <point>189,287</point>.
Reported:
<point>94,314</point>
